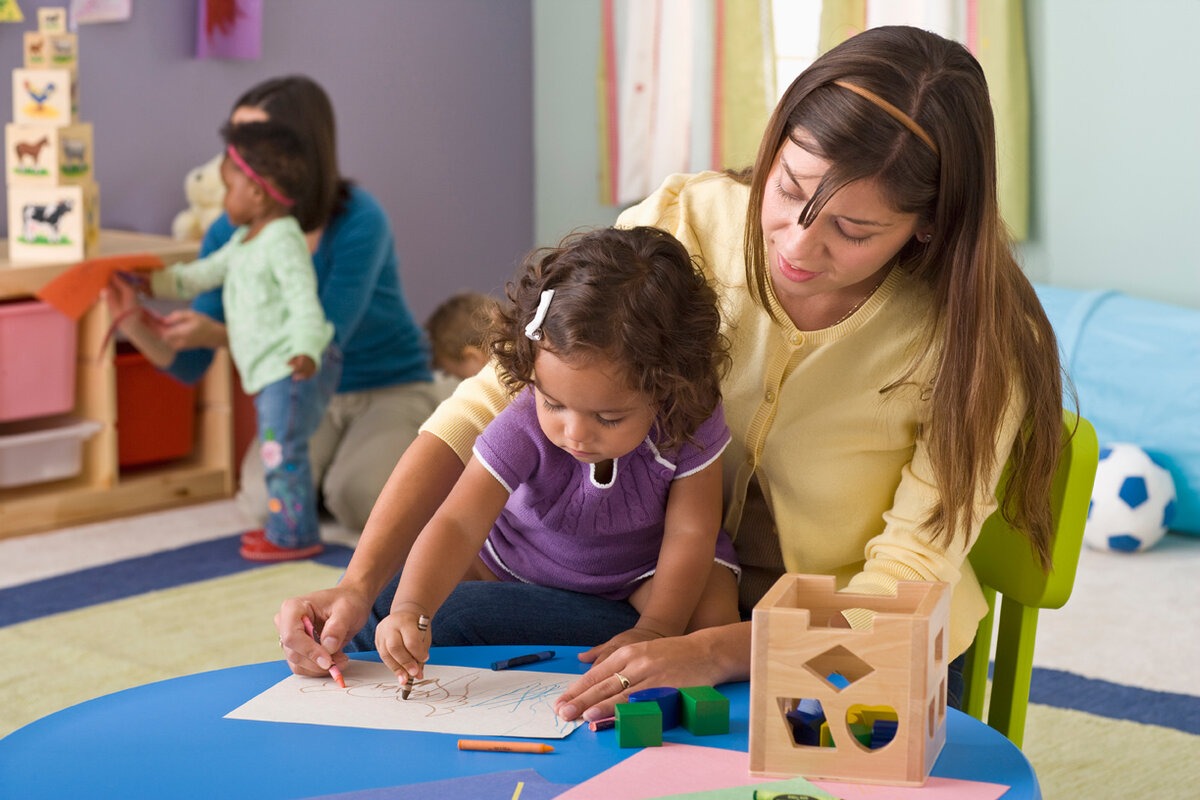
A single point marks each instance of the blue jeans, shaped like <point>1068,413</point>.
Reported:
<point>288,414</point>
<point>493,613</point>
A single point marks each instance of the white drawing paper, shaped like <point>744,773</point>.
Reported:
<point>462,700</point>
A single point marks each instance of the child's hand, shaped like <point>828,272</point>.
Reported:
<point>139,280</point>
<point>121,298</point>
<point>403,645</point>
<point>303,367</point>
<point>603,651</point>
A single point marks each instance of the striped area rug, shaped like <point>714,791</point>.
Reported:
<point>1115,697</point>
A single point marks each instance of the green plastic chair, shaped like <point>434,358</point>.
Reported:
<point>1005,565</point>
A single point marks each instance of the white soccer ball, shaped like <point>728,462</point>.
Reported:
<point>1133,501</point>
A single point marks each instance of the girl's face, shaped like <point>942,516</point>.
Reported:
<point>586,409</point>
<point>840,255</point>
<point>243,197</point>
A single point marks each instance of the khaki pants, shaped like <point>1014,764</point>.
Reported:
<point>355,448</point>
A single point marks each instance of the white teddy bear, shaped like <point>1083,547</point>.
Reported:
<point>205,192</point>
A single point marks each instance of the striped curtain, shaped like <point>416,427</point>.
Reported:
<point>684,85</point>
<point>994,32</point>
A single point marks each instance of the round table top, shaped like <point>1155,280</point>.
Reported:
<point>172,737</point>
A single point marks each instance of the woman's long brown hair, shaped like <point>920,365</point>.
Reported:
<point>990,336</point>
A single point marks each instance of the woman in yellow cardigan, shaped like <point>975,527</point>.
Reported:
<point>888,358</point>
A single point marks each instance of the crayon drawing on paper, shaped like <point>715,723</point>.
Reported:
<point>458,700</point>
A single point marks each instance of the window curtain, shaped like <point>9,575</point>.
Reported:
<point>683,86</point>
<point>994,32</point>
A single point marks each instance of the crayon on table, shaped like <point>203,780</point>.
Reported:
<point>488,746</point>
<point>518,661</point>
<point>334,672</point>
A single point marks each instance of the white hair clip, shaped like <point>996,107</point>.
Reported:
<point>534,329</point>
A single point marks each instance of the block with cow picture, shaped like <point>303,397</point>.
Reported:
<point>53,224</point>
<point>42,155</point>
<point>44,96</point>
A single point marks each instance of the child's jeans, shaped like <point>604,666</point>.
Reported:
<point>288,414</point>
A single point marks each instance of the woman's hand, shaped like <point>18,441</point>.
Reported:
<point>603,651</point>
<point>337,613</point>
<point>186,329</point>
<point>402,640</point>
<point>704,658</point>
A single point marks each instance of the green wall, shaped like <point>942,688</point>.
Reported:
<point>1116,140</point>
<point>1116,131</point>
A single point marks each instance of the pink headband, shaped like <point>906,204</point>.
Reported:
<point>254,176</point>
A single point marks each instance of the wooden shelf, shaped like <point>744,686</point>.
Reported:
<point>101,490</point>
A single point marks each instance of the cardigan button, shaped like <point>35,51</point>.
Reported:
<point>769,396</point>
<point>796,338</point>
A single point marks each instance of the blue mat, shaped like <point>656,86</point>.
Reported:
<point>134,576</point>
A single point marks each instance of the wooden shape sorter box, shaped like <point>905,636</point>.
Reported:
<point>41,155</point>
<point>900,662</point>
<point>44,96</point>
<point>54,223</point>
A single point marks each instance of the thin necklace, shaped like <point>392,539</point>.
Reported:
<point>864,299</point>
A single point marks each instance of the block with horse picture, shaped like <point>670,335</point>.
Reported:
<point>45,155</point>
<point>51,50</point>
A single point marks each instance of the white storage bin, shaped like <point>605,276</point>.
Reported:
<point>50,449</point>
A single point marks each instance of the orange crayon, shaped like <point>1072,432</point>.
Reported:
<point>504,747</point>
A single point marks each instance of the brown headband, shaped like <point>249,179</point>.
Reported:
<point>897,114</point>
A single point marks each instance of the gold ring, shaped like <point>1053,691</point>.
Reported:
<point>624,681</point>
<point>422,623</point>
<point>281,641</point>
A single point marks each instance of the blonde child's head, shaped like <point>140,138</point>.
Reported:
<point>457,329</point>
<point>632,297</point>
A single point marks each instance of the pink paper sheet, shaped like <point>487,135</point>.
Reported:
<point>682,768</point>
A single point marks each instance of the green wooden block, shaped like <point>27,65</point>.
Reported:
<point>639,725</point>
<point>705,710</point>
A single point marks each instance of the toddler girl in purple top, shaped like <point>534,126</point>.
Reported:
<point>604,475</point>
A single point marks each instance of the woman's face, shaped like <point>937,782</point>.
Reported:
<point>244,114</point>
<point>840,254</point>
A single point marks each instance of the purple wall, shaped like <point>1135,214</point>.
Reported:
<point>434,100</point>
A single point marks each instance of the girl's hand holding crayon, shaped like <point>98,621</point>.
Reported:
<point>402,640</point>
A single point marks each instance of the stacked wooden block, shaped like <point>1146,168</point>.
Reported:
<point>53,199</point>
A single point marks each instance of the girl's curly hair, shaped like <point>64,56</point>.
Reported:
<point>632,296</point>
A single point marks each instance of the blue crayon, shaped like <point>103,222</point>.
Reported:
<point>518,661</point>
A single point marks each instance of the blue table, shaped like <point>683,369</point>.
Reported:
<point>169,739</point>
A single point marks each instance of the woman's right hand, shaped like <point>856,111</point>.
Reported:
<point>403,646</point>
<point>186,329</point>
<point>337,613</point>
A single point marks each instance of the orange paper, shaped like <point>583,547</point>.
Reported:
<point>74,291</point>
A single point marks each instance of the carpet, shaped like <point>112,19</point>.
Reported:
<point>145,619</point>
<point>1115,708</point>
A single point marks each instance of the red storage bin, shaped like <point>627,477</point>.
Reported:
<point>156,414</point>
<point>37,361</point>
